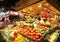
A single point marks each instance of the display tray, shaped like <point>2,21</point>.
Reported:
<point>7,33</point>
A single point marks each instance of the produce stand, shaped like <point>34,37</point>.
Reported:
<point>38,26</point>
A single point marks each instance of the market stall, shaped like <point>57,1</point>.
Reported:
<point>36,23</point>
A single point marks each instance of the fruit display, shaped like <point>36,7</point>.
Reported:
<point>52,36</point>
<point>20,38</point>
<point>33,28</point>
<point>47,18</point>
<point>42,29</point>
<point>17,38</point>
<point>30,33</point>
<point>44,14</point>
<point>13,36</point>
<point>7,34</point>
